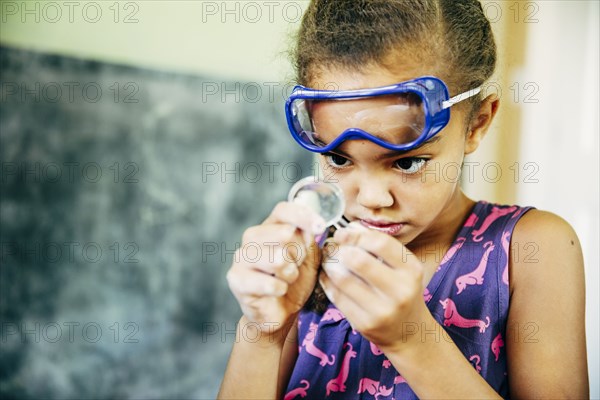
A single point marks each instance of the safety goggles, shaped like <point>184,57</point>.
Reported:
<point>399,117</point>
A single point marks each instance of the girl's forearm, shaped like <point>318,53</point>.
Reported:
<point>435,368</point>
<point>253,368</point>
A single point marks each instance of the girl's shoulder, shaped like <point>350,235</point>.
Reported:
<point>547,306</point>
<point>545,244</point>
<point>545,224</point>
<point>548,233</point>
<point>530,219</point>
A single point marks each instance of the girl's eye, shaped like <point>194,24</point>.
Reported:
<point>336,161</point>
<point>411,165</point>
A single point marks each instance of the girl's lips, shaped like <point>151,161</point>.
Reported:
<point>391,228</point>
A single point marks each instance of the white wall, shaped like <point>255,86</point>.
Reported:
<point>234,39</point>
<point>560,134</point>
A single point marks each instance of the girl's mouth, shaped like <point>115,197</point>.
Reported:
<point>391,228</point>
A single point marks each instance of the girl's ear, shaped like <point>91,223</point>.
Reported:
<point>481,121</point>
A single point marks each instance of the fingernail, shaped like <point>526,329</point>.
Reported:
<point>300,259</point>
<point>277,290</point>
<point>308,238</point>
<point>321,282</point>
<point>289,269</point>
<point>341,235</point>
<point>334,267</point>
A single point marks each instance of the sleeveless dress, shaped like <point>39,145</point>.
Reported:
<point>468,296</point>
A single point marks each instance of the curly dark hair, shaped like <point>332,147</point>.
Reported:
<point>453,37</point>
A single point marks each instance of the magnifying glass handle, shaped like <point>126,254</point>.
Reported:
<point>325,235</point>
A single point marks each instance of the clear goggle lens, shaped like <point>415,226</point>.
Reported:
<point>397,119</point>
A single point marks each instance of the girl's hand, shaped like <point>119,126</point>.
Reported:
<point>275,270</point>
<point>377,283</point>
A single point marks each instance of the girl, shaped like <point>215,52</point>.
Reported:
<point>424,294</point>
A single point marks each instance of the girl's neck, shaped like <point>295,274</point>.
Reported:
<point>433,244</point>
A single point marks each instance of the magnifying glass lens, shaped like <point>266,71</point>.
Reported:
<point>325,198</point>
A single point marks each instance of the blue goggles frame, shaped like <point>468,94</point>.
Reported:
<point>432,91</point>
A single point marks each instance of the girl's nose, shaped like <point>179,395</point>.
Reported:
<point>374,194</point>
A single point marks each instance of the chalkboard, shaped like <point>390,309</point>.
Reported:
<point>124,193</point>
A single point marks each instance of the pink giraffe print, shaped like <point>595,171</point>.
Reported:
<point>426,295</point>
<point>299,391</point>
<point>472,220</point>
<point>313,350</point>
<point>477,361</point>
<point>505,245</point>
<point>399,379</point>
<point>496,344</point>
<point>496,213</point>
<point>452,317</point>
<point>373,388</point>
<point>338,384</point>
<point>519,212</point>
<point>333,314</point>
<point>375,350</point>
<point>451,252</point>
<point>475,277</point>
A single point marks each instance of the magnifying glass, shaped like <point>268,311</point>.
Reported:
<point>325,198</point>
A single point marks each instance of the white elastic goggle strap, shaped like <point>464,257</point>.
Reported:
<point>460,97</point>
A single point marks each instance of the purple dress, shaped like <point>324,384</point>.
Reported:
<point>468,295</point>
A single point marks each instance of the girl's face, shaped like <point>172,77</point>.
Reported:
<point>409,195</point>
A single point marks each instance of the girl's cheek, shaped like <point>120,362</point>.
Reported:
<point>435,173</point>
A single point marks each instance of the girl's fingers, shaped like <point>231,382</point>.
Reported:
<point>267,247</point>
<point>348,305</point>
<point>385,247</point>
<point>350,285</point>
<point>299,216</point>
<point>248,282</point>
<point>372,271</point>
